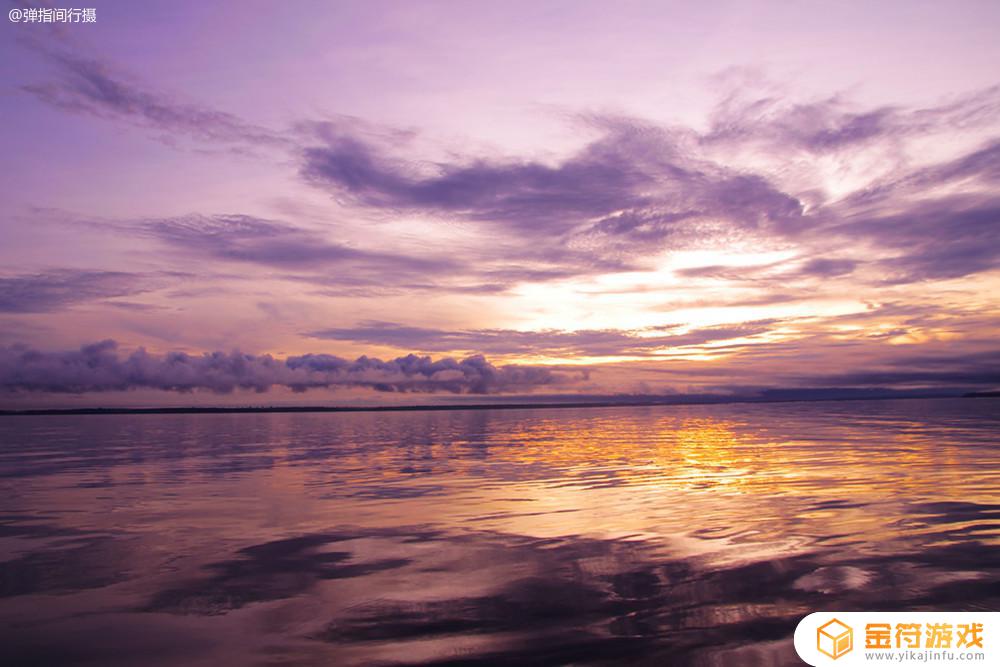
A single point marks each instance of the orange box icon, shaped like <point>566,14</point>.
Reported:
<point>834,639</point>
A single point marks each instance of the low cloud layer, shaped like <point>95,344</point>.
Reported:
<point>99,368</point>
<point>981,369</point>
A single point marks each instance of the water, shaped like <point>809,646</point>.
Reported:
<point>661,535</point>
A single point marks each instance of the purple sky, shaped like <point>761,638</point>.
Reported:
<point>533,198</point>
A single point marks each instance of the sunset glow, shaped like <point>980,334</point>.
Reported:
<point>723,207</point>
<point>427,333</point>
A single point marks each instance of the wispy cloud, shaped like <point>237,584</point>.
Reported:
<point>834,124</point>
<point>312,256</point>
<point>244,238</point>
<point>777,272</point>
<point>86,85</point>
<point>58,289</point>
<point>600,342</point>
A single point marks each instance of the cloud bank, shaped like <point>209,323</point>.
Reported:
<point>99,368</point>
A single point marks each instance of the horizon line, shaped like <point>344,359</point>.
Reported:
<point>677,401</point>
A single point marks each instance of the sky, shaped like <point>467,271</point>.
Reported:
<point>383,202</point>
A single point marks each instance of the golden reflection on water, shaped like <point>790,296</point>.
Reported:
<point>712,482</point>
<point>658,524</point>
<point>732,487</point>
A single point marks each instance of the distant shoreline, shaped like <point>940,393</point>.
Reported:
<point>472,406</point>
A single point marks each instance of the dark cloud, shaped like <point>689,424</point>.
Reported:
<point>99,367</point>
<point>827,268</point>
<point>595,182</point>
<point>935,239</point>
<point>632,182</point>
<point>963,370</point>
<point>91,87</point>
<point>54,290</point>
<point>599,342</point>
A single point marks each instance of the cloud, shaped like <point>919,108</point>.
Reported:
<point>55,290</point>
<point>817,127</point>
<point>611,206</point>
<point>99,367</point>
<point>596,182</point>
<point>935,239</point>
<point>614,205</point>
<point>933,223</point>
<point>633,181</point>
<point>775,272</point>
<point>246,238</point>
<point>975,172</point>
<point>311,256</point>
<point>639,188</point>
<point>599,342</point>
<point>832,124</point>
<point>88,86</point>
<point>963,370</point>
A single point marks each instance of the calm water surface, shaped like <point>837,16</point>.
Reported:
<point>662,535</point>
